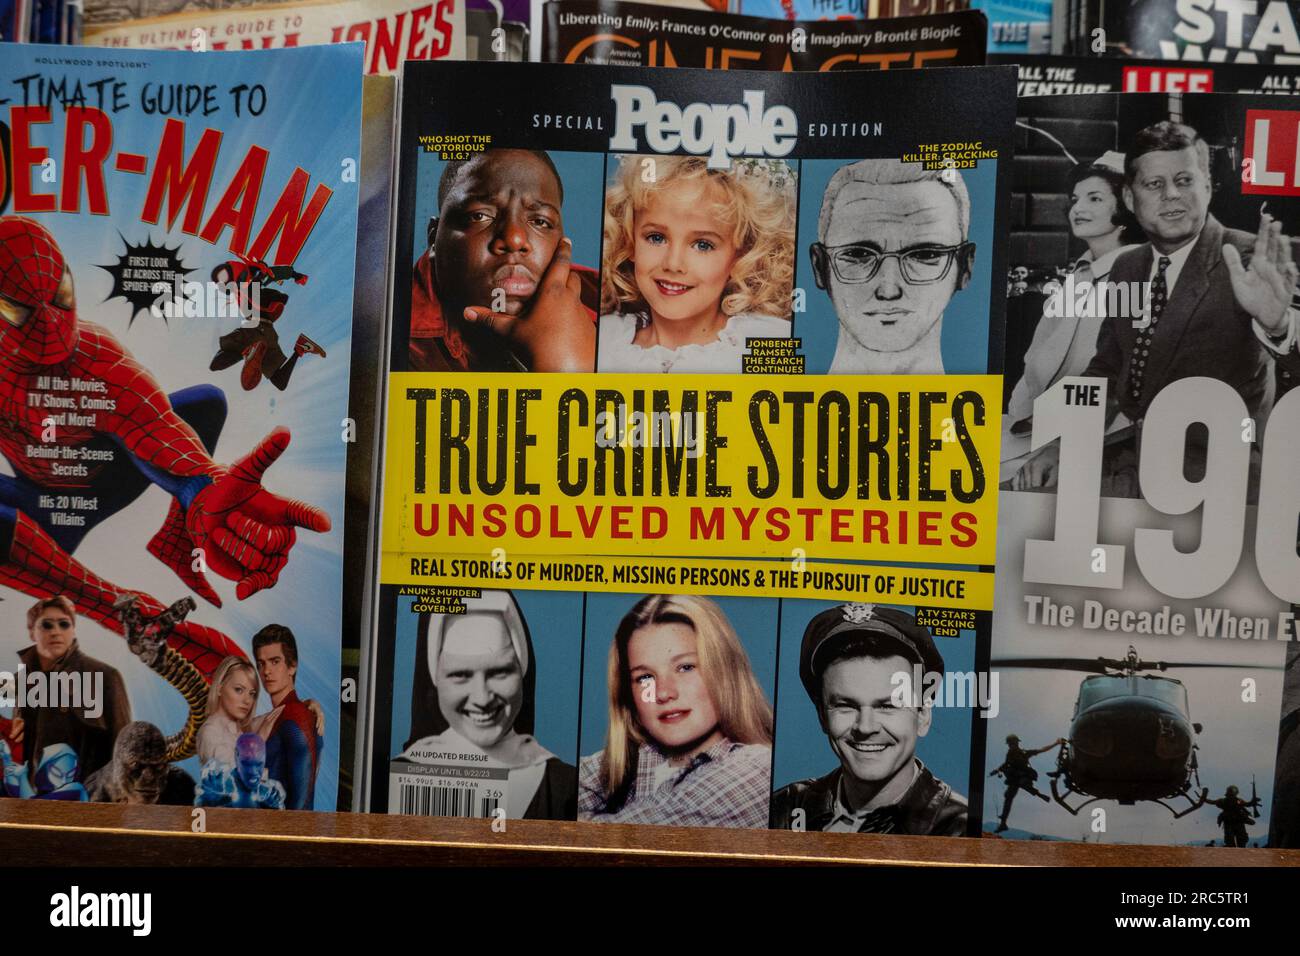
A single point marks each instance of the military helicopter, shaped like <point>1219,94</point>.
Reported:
<point>1131,737</point>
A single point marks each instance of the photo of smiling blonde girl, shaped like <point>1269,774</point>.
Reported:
<point>688,741</point>
<point>696,261</point>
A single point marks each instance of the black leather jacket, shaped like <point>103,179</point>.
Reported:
<point>928,808</point>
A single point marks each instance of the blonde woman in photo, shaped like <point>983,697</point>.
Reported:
<point>696,261</point>
<point>690,730</point>
<point>232,698</point>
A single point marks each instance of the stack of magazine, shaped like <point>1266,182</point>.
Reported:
<point>793,439</point>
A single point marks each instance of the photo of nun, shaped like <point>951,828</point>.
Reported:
<point>474,692</point>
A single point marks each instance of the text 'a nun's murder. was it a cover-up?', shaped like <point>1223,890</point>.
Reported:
<point>718,466</point>
<point>177,236</point>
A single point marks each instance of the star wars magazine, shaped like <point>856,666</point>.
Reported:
<point>638,34</point>
<point>1147,561</point>
<point>392,30</point>
<point>1192,30</point>
<point>705,535</point>
<point>177,234</point>
<point>1061,75</point>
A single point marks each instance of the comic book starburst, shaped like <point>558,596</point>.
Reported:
<point>137,272</point>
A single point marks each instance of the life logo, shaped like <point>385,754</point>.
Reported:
<point>1161,79</point>
<point>720,130</point>
<point>1271,162</point>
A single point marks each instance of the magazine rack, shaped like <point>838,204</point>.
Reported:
<point>114,835</point>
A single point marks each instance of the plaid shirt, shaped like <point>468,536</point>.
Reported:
<point>727,785</point>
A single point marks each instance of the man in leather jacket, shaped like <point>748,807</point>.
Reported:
<point>848,662</point>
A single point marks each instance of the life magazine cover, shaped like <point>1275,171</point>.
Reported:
<point>1147,559</point>
<point>640,34</point>
<point>694,393</point>
<point>177,240</point>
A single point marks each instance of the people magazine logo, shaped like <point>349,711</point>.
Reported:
<point>721,131</point>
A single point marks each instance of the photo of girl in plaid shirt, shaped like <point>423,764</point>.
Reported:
<point>689,739</point>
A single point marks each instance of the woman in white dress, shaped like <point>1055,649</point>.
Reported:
<point>232,698</point>
<point>696,261</point>
<point>1065,338</point>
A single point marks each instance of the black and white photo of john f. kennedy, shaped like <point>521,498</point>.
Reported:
<point>1201,299</point>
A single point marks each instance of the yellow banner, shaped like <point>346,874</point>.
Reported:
<point>968,590</point>
<point>884,468</point>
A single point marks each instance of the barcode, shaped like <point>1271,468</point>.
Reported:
<point>426,800</point>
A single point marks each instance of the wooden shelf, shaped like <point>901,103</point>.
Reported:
<point>49,833</point>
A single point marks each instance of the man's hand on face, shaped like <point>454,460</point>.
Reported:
<point>1038,472</point>
<point>1266,287</point>
<point>555,334</point>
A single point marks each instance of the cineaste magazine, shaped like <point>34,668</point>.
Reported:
<point>1015,26</point>
<point>177,239</point>
<point>705,537</point>
<point>1147,544</point>
<point>641,34</point>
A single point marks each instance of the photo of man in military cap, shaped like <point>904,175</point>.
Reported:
<point>849,660</point>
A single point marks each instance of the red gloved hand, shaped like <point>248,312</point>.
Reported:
<point>244,530</point>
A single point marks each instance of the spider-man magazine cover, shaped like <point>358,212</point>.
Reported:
<point>177,241</point>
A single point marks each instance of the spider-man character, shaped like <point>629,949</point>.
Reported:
<point>244,785</point>
<point>256,340</point>
<point>140,436</point>
<point>57,776</point>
